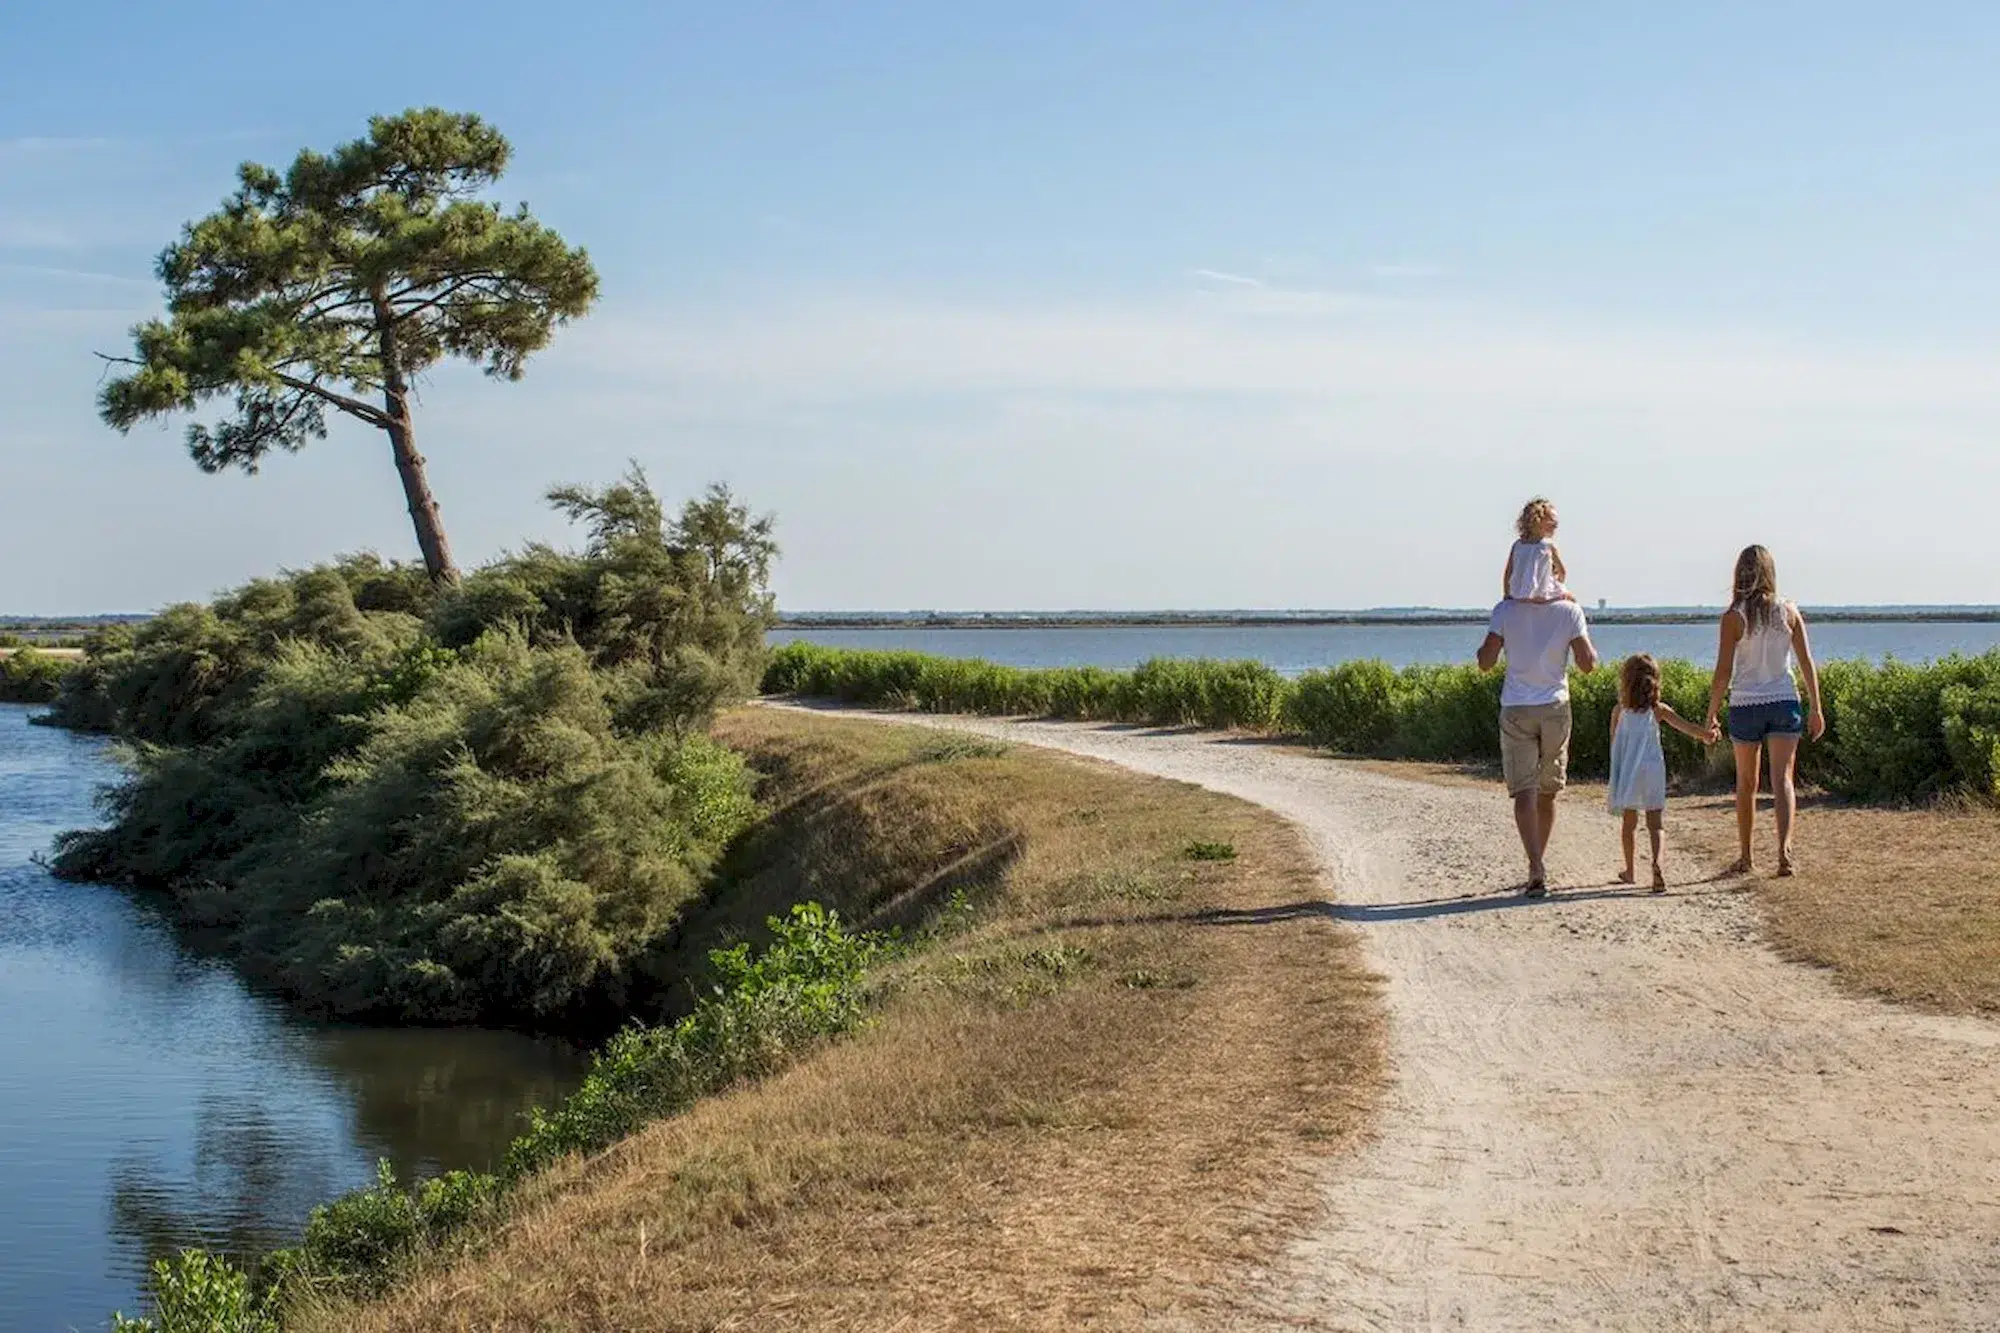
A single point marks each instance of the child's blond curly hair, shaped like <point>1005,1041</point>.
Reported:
<point>1533,515</point>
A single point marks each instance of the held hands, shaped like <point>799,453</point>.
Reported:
<point>1711,730</point>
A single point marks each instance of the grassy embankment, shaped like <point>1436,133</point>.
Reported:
<point>1900,841</point>
<point>500,801</point>
<point>1094,1092</point>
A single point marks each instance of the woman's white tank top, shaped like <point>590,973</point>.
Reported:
<point>1763,673</point>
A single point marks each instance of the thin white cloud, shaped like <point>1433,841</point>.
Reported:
<point>72,275</point>
<point>1338,346</point>
<point>1229,279</point>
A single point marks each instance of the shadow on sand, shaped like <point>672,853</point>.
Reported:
<point>1422,909</point>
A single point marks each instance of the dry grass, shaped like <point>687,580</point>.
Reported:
<point>1904,904</point>
<point>1097,1106</point>
<point>1900,903</point>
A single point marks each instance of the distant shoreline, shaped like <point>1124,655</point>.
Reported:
<point>1279,619</point>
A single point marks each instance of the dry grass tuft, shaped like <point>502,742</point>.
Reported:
<point>1096,1106</point>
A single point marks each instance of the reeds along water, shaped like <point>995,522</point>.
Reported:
<point>1895,732</point>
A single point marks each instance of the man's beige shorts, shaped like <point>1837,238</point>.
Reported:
<point>1534,748</point>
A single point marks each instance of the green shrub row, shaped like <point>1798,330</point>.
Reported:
<point>1895,732</point>
<point>809,984</point>
<point>1163,692</point>
<point>29,677</point>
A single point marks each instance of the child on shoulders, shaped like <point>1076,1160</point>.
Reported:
<point>1535,570</point>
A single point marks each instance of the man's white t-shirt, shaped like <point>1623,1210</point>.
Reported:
<point>1537,636</point>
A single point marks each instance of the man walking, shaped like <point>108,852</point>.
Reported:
<point>1538,639</point>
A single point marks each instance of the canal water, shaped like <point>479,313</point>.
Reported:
<point>150,1101</point>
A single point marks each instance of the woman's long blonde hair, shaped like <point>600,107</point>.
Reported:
<point>1756,594</point>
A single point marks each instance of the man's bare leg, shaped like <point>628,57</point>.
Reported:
<point>1528,808</point>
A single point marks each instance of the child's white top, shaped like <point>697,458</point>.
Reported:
<point>1534,577</point>
<point>1638,765</point>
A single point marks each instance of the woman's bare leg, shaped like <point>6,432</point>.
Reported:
<point>1628,839</point>
<point>1785,795</point>
<point>1749,760</point>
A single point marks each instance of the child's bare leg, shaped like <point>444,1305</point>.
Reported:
<point>1656,836</point>
<point>1628,839</point>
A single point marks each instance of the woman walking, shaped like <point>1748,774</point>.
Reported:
<point>1761,638</point>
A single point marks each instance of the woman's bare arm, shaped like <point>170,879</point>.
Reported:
<point>1802,649</point>
<point>1725,663</point>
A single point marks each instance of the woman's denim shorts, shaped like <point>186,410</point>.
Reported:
<point>1749,724</point>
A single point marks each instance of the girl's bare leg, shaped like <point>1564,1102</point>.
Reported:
<point>1749,760</point>
<point>1655,835</point>
<point>1628,839</point>
<point>1785,794</point>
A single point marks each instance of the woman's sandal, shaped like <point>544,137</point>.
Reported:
<point>1785,867</point>
<point>1740,866</point>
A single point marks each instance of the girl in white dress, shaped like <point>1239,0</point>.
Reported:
<point>1638,765</point>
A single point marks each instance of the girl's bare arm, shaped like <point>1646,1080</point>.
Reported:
<point>1507,577</point>
<point>1678,723</point>
<point>1556,563</point>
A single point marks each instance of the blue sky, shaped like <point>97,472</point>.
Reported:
<point>1107,305</point>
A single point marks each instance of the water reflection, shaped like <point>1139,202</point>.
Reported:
<point>149,1101</point>
<point>251,1179</point>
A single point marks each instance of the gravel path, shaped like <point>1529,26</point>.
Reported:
<point>1611,1110</point>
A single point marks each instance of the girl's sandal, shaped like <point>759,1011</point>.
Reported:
<point>1740,866</point>
<point>1785,867</point>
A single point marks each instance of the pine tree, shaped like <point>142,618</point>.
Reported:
<point>336,285</point>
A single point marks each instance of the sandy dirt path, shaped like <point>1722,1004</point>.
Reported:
<point>1611,1110</point>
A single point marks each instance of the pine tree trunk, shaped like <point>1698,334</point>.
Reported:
<point>409,463</point>
<point>417,490</point>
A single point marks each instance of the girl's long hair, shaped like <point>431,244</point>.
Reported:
<point>1639,683</point>
<point>1756,593</point>
<point>1533,515</point>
